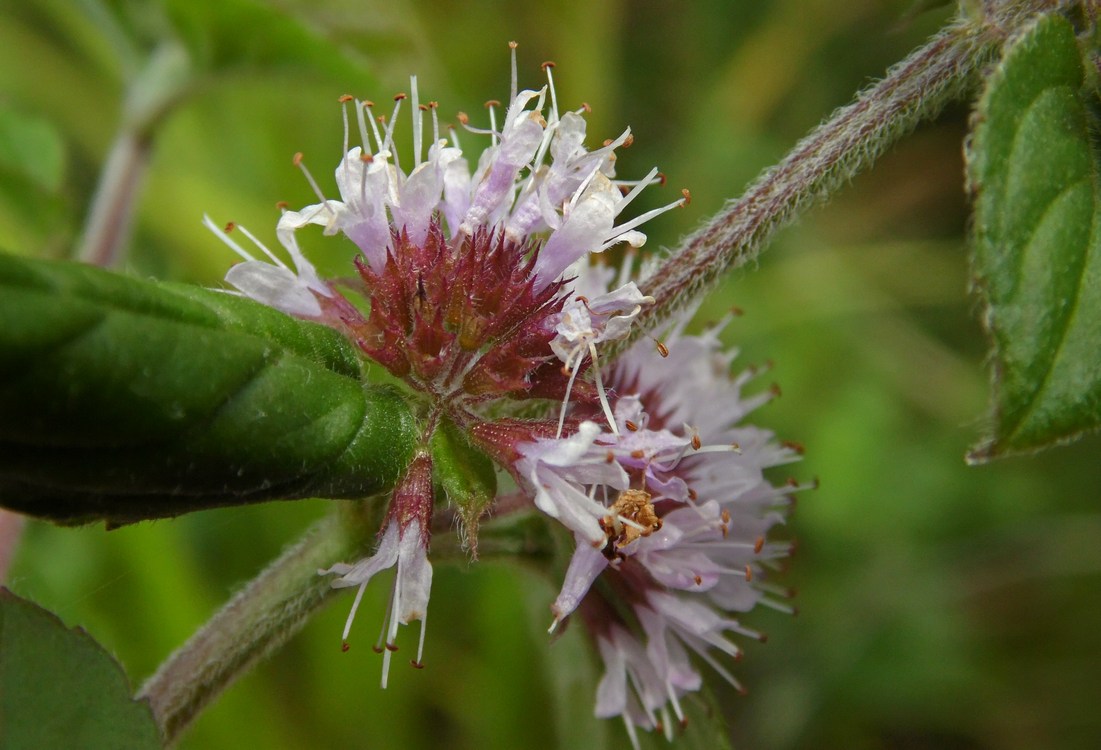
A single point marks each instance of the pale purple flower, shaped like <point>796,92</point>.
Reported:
<point>535,178</point>
<point>684,544</point>
<point>403,545</point>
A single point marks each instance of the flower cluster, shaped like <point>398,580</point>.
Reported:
<point>671,516</point>
<point>475,288</point>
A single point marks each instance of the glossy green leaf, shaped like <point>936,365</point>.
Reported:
<point>125,400</point>
<point>1034,174</point>
<point>59,688</point>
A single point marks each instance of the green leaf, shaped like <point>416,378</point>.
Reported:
<point>464,474</point>
<point>1034,174</point>
<point>59,688</point>
<point>125,400</point>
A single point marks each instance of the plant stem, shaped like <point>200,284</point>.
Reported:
<point>259,619</point>
<point>832,154</point>
<point>153,93</point>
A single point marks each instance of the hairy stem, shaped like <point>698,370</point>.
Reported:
<point>153,93</point>
<point>260,618</point>
<point>827,158</point>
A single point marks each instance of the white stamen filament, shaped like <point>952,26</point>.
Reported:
<point>494,135</point>
<point>417,122</point>
<point>262,246</point>
<point>388,142</point>
<point>352,614</point>
<point>514,87</point>
<point>643,218</point>
<point>229,241</point>
<point>301,164</point>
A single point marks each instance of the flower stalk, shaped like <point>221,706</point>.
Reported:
<point>847,143</point>
<point>255,622</point>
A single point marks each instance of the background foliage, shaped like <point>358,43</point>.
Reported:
<point>926,588</point>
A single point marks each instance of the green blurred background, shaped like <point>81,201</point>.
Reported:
<point>941,606</point>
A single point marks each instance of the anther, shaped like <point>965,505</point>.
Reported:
<point>585,106</point>
<point>698,579</point>
<point>366,158</point>
<point>629,140</point>
<point>792,445</point>
<point>492,103</point>
<point>696,443</point>
<point>345,98</point>
<point>607,141</point>
<point>377,649</point>
<point>282,205</point>
<point>433,105</point>
<point>638,454</point>
<point>661,178</point>
<point>758,545</point>
<point>422,107</point>
<point>298,159</point>
<point>463,118</point>
<point>400,97</point>
<point>367,104</point>
<point>631,425</point>
<point>687,196</point>
<point>547,64</point>
<point>737,312</point>
<point>774,389</point>
<point>692,494</point>
<point>416,664</point>
<point>344,647</point>
<point>609,458</point>
<point>791,482</point>
<point>513,45</point>
<point>391,647</point>
<point>229,227</point>
<point>748,573</point>
<point>725,515</point>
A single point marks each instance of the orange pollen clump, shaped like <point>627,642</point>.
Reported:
<point>633,506</point>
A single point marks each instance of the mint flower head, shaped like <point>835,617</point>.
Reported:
<point>473,285</point>
<point>671,515</point>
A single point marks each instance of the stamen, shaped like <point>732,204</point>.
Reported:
<point>344,118</point>
<point>434,107</point>
<point>298,162</point>
<point>514,88</point>
<point>569,389</point>
<point>352,614</point>
<point>263,247</point>
<point>417,135</point>
<point>363,120</point>
<point>492,105</point>
<point>229,241</point>
<point>419,663</point>
<point>600,391</point>
<point>548,66</point>
<point>388,143</point>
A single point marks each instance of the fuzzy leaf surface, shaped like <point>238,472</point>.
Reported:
<point>125,400</point>
<point>1033,171</point>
